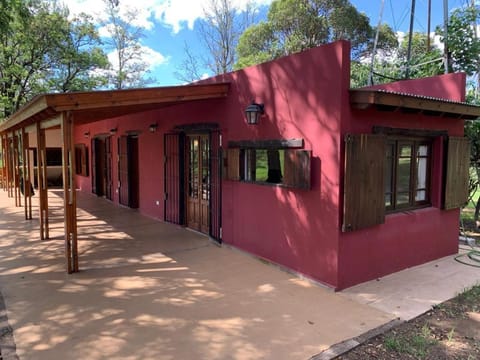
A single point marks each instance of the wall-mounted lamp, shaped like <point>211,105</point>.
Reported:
<point>86,134</point>
<point>113,131</point>
<point>253,112</point>
<point>153,127</point>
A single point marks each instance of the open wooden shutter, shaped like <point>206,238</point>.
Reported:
<point>233,164</point>
<point>457,172</point>
<point>364,198</point>
<point>297,171</point>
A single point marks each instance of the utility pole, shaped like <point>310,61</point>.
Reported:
<point>429,21</point>
<point>410,35</point>
<point>374,50</point>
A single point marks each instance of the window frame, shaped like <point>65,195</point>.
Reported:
<point>396,142</point>
<point>296,171</point>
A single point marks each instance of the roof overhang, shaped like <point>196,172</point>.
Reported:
<point>408,103</point>
<point>99,105</point>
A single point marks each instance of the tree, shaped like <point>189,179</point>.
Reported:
<point>129,70</point>
<point>78,61</point>
<point>218,31</point>
<point>293,26</point>
<point>30,51</point>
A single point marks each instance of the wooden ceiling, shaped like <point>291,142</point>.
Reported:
<point>98,105</point>
<point>407,103</point>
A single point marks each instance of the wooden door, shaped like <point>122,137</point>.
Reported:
<point>198,182</point>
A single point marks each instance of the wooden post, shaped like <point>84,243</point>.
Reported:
<point>27,187</point>
<point>69,198</point>
<point>9,165</point>
<point>16,171</point>
<point>3,171</point>
<point>42,182</point>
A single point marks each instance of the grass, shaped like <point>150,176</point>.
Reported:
<point>416,344</point>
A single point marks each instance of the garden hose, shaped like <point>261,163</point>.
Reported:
<point>473,256</point>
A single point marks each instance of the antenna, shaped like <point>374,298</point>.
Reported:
<point>445,42</point>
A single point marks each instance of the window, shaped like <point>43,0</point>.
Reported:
<point>262,165</point>
<point>81,160</point>
<point>269,162</point>
<point>400,179</point>
<point>407,173</point>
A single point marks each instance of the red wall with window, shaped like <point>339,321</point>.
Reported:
<point>410,237</point>
<point>305,96</point>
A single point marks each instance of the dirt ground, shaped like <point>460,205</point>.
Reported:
<point>450,330</point>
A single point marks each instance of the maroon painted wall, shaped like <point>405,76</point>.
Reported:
<point>302,95</point>
<point>305,96</point>
<point>412,237</point>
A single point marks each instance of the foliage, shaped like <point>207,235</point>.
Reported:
<point>130,69</point>
<point>293,26</point>
<point>463,41</point>
<point>42,50</point>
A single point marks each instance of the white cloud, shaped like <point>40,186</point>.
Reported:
<point>151,57</point>
<point>176,14</point>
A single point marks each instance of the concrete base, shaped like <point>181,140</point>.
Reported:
<point>150,290</point>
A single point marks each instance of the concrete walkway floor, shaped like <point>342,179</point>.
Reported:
<point>150,290</point>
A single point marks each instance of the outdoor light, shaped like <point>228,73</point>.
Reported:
<point>153,127</point>
<point>113,131</point>
<point>86,134</point>
<point>253,112</point>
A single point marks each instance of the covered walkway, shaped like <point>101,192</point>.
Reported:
<point>150,290</point>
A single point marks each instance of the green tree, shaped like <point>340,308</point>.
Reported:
<point>79,61</point>
<point>33,50</point>
<point>293,26</point>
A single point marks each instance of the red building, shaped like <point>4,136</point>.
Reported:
<point>340,185</point>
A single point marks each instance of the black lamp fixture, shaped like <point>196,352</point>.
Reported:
<point>253,113</point>
<point>86,134</point>
<point>153,127</point>
<point>113,131</point>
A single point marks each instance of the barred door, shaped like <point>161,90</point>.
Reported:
<point>216,186</point>
<point>174,178</point>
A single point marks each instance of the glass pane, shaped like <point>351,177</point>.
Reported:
<point>388,174</point>
<point>421,173</point>
<point>194,169</point>
<point>261,165</point>
<point>405,151</point>
<point>403,198</point>
<point>388,199</point>
<point>403,174</point>
<point>421,195</point>
<point>422,150</point>
<point>205,169</point>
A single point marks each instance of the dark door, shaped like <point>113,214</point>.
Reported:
<point>198,182</point>
<point>108,168</point>
<point>98,167</point>
<point>128,171</point>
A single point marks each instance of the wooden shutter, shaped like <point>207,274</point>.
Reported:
<point>364,198</point>
<point>297,167</point>
<point>457,172</point>
<point>233,164</point>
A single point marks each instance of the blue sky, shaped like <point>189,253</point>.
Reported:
<point>169,24</point>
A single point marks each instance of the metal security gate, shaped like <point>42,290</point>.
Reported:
<point>216,186</point>
<point>174,181</point>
